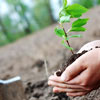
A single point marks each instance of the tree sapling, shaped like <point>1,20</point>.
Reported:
<point>66,13</point>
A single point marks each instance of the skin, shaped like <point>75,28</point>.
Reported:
<point>82,76</point>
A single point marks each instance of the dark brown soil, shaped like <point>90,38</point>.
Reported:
<point>69,62</point>
<point>41,90</point>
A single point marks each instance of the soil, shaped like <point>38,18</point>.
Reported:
<point>41,90</point>
<point>69,62</point>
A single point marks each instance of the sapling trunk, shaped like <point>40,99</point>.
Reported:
<point>66,35</point>
<point>68,41</point>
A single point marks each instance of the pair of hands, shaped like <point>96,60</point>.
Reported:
<point>81,77</point>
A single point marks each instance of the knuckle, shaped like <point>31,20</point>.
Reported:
<point>85,83</point>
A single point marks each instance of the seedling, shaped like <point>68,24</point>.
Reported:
<point>66,13</point>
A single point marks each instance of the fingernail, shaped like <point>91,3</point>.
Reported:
<point>63,78</point>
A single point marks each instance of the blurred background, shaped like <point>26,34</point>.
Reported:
<point>19,18</point>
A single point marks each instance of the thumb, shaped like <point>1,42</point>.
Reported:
<point>73,70</point>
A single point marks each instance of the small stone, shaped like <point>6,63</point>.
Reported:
<point>58,73</point>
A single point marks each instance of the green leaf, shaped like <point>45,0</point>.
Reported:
<point>76,15</point>
<point>64,19</point>
<point>64,3</point>
<point>75,36</point>
<point>77,29</point>
<point>63,43</point>
<point>76,10</point>
<point>80,22</point>
<point>59,32</point>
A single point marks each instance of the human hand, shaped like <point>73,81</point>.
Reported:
<point>61,86</point>
<point>85,72</point>
<point>80,77</point>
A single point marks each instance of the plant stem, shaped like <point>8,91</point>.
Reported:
<point>68,41</point>
<point>66,34</point>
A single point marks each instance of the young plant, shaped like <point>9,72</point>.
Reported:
<point>66,13</point>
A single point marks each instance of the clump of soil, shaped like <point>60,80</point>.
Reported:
<point>41,91</point>
<point>70,61</point>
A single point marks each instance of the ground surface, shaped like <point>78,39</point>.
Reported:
<point>26,57</point>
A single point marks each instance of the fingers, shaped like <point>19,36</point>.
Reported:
<point>66,90</point>
<point>76,94</point>
<point>57,84</point>
<point>55,78</point>
<point>73,70</point>
<point>74,84</point>
<point>65,85</point>
<point>71,90</point>
<point>68,86</point>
